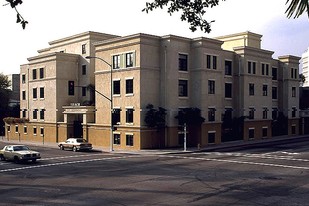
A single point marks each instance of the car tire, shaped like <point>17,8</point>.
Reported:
<point>74,149</point>
<point>16,160</point>
<point>34,160</point>
<point>2,157</point>
<point>61,147</point>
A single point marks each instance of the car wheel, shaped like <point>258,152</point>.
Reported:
<point>61,147</point>
<point>74,149</point>
<point>34,160</point>
<point>16,160</point>
<point>2,157</point>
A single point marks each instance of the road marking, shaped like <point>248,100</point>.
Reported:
<point>238,162</point>
<point>63,163</point>
<point>71,156</point>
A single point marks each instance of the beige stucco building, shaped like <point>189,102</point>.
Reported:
<point>226,77</point>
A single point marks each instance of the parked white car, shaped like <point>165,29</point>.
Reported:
<point>75,144</point>
<point>19,153</point>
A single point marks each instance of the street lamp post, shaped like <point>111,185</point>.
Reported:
<point>110,99</point>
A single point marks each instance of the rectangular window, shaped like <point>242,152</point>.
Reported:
<point>265,69</point>
<point>293,129</point>
<point>211,114</point>
<point>116,61</point>
<point>183,62</point>
<point>293,91</point>
<point>129,86</point>
<point>42,95</point>
<point>34,93</point>
<point>23,79</point>
<point>129,59</point>
<point>129,115</point>
<point>24,111</point>
<point>25,130</point>
<point>116,116</point>
<point>211,62</point>
<point>129,140</point>
<point>274,73</point>
<point>251,133</point>
<point>274,113</point>
<point>116,87</point>
<point>84,91</point>
<point>251,89</point>
<point>214,62</point>
<point>228,67</point>
<point>211,86</point>
<point>35,114</point>
<point>211,137</point>
<point>42,114</point>
<point>265,89</point>
<point>41,73</point>
<point>71,88</point>
<point>84,49</point>
<point>34,74</point>
<point>251,113</point>
<point>182,88</point>
<point>251,67</point>
<point>265,113</point>
<point>23,95</point>
<point>84,69</point>
<point>9,128</point>
<point>274,93</point>
<point>34,131</point>
<point>42,131</point>
<point>294,110</point>
<point>16,128</point>
<point>117,139</point>
<point>228,90</point>
<point>264,132</point>
<point>208,61</point>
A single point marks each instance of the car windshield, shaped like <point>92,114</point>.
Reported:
<point>81,140</point>
<point>20,148</point>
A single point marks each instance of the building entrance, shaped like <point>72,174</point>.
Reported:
<point>78,129</point>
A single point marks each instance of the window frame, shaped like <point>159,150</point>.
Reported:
<point>183,89</point>
<point>129,86</point>
<point>183,62</point>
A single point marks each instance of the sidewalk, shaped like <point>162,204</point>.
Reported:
<point>211,148</point>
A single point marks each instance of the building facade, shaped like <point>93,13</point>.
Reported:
<point>305,65</point>
<point>227,78</point>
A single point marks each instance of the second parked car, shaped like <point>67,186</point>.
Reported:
<point>75,144</point>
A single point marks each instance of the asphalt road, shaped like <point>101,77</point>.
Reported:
<point>272,175</point>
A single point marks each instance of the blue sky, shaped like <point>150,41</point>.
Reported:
<point>53,19</point>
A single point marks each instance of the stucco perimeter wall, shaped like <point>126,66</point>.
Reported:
<point>210,128</point>
<point>293,123</point>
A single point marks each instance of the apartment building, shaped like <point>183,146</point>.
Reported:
<point>225,77</point>
<point>305,65</point>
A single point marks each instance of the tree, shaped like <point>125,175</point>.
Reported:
<point>4,91</point>
<point>297,7</point>
<point>19,18</point>
<point>155,118</point>
<point>190,116</point>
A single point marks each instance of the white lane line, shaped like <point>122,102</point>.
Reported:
<point>63,163</point>
<point>262,156</point>
<point>71,156</point>
<point>239,162</point>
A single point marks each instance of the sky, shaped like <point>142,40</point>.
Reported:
<point>50,20</point>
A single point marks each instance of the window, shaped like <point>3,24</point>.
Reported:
<point>117,139</point>
<point>84,49</point>
<point>34,74</point>
<point>116,116</point>
<point>294,110</point>
<point>129,86</point>
<point>265,69</point>
<point>34,130</point>
<point>251,113</point>
<point>84,91</point>
<point>274,93</point>
<point>183,62</point>
<point>42,92</point>
<point>34,93</point>
<point>265,112</point>
<point>9,128</point>
<point>251,89</point>
<point>42,114</point>
<point>41,73</point>
<point>183,88</point>
<point>274,73</point>
<point>16,128</point>
<point>211,137</point>
<point>293,91</point>
<point>24,111</point>
<point>129,140</point>
<point>211,114</point>
<point>228,90</point>
<point>116,61</point>
<point>116,87</point>
<point>211,62</point>
<point>251,133</point>
<point>251,67</point>
<point>84,69</point>
<point>274,113</point>
<point>23,94</point>
<point>129,115</point>
<point>228,67</point>
<point>25,130</point>
<point>293,129</point>
<point>23,78</point>
<point>294,73</point>
<point>35,114</point>
<point>264,132</point>
<point>129,59</point>
<point>42,131</point>
<point>211,87</point>
<point>265,90</point>
<point>71,88</point>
